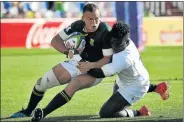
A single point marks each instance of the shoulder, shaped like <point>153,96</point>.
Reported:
<point>104,29</point>
<point>123,56</point>
<point>78,25</point>
<point>104,26</point>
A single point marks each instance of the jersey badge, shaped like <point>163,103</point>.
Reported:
<point>92,42</point>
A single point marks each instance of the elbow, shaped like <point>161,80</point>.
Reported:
<point>108,59</point>
<point>53,41</point>
<point>109,73</point>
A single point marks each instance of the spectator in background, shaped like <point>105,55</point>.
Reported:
<point>14,9</point>
<point>3,10</point>
<point>59,9</point>
<point>52,9</point>
<point>27,10</point>
<point>75,12</point>
<point>21,14</point>
<point>7,6</point>
<point>107,8</point>
<point>38,8</point>
<point>49,10</point>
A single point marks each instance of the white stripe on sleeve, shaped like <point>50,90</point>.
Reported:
<point>63,35</point>
<point>107,52</point>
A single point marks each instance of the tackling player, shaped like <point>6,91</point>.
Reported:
<point>118,103</point>
<point>132,81</point>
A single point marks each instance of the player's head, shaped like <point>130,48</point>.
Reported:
<point>119,36</point>
<point>91,15</point>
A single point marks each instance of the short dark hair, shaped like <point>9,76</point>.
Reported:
<point>90,7</point>
<point>119,30</point>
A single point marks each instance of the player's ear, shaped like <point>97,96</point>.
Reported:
<point>83,18</point>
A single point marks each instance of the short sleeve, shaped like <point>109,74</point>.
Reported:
<point>118,64</point>
<point>106,45</point>
<point>64,34</point>
<point>76,26</point>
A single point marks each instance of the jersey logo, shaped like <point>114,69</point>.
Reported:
<point>92,42</point>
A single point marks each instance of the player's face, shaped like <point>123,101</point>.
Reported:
<point>119,44</point>
<point>91,20</point>
<point>116,44</point>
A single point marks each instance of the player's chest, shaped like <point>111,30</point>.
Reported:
<point>93,41</point>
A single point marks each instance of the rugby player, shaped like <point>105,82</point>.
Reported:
<point>97,52</point>
<point>132,82</point>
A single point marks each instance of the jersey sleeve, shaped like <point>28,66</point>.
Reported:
<point>106,45</point>
<point>118,64</point>
<point>97,73</point>
<point>64,34</point>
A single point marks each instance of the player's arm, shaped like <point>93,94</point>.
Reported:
<point>97,73</point>
<point>106,50</point>
<point>58,41</point>
<point>91,65</point>
<point>86,66</point>
<point>118,64</point>
<point>107,53</point>
<point>106,59</point>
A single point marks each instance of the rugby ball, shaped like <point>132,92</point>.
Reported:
<point>77,41</point>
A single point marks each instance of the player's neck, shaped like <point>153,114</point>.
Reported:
<point>86,30</point>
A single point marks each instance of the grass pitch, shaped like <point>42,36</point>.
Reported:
<point>20,68</point>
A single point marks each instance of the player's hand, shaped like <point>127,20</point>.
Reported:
<point>84,66</point>
<point>69,45</point>
<point>70,54</point>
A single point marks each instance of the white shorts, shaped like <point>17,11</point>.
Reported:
<point>134,92</point>
<point>70,66</point>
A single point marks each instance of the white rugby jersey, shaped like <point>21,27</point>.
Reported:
<point>127,65</point>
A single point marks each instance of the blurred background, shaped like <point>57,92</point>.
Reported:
<point>55,9</point>
<point>152,23</point>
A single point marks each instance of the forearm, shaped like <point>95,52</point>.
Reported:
<point>59,45</point>
<point>97,73</point>
<point>101,62</point>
